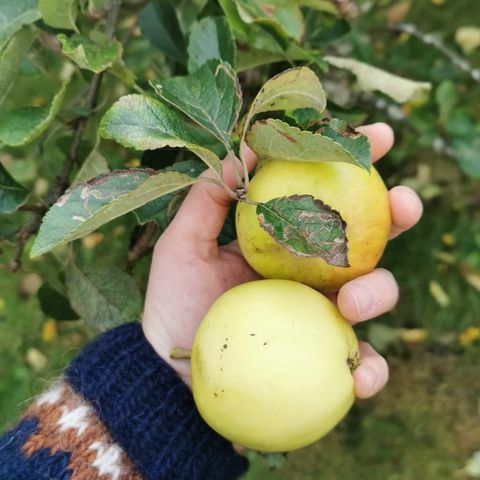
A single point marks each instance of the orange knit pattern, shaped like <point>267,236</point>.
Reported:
<point>68,423</point>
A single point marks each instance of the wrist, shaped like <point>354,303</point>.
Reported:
<point>163,345</point>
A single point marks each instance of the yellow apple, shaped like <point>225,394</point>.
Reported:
<point>360,197</point>
<point>271,365</point>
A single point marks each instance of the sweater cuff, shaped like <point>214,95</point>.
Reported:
<point>149,411</point>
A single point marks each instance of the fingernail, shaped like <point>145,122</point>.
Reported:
<point>363,297</point>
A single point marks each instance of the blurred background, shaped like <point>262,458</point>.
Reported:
<point>426,424</point>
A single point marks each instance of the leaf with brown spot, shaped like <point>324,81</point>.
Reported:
<point>306,227</point>
<point>89,205</point>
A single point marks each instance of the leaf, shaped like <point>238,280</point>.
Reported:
<point>306,227</point>
<point>12,194</point>
<point>91,55</point>
<point>59,13</point>
<point>159,23</point>
<point>467,154</point>
<point>14,15</point>
<point>284,16</point>
<point>352,141</point>
<point>253,35</point>
<point>446,97</point>
<point>11,57</point>
<point>210,39</point>
<point>143,123</point>
<point>273,139</point>
<point>25,124</point>
<point>87,206</point>
<point>55,304</point>
<point>211,96</point>
<point>163,209</point>
<point>103,296</point>
<point>294,88</point>
<point>371,78</point>
<point>93,166</point>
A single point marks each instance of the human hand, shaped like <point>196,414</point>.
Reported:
<point>190,271</point>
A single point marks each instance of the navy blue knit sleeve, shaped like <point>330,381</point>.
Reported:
<point>120,413</point>
<point>149,411</point>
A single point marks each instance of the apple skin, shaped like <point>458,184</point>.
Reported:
<point>271,365</point>
<point>360,197</point>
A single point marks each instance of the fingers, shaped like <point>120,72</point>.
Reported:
<point>372,374</point>
<point>368,296</point>
<point>406,209</point>
<point>202,214</point>
<point>380,135</point>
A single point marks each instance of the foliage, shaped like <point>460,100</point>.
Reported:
<point>194,78</point>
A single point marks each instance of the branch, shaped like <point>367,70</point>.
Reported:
<point>62,182</point>
<point>143,246</point>
<point>435,42</point>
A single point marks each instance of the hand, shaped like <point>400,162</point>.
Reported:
<point>190,271</point>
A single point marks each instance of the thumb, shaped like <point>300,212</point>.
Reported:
<point>205,208</point>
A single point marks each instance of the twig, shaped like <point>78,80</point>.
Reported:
<point>435,42</point>
<point>72,157</point>
<point>143,246</point>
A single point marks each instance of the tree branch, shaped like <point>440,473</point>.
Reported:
<point>143,246</point>
<point>62,182</point>
<point>435,42</point>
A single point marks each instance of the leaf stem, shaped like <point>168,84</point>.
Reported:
<point>221,183</point>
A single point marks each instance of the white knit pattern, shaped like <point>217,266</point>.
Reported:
<point>108,461</point>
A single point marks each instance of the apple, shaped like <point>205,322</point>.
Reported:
<point>359,196</point>
<point>272,365</point>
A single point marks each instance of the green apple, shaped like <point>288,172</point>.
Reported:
<point>272,365</point>
<point>360,197</point>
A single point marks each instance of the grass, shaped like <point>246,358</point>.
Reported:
<point>425,425</point>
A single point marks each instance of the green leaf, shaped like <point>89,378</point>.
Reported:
<point>25,124</point>
<point>467,154</point>
<point>87,206</point>
<point>253,35</point>
<point>98,5</point>
<point>103,296</point>
<point>211,97</point>
<point>163,209</point>
<point>11,56</point>
<point>86,53</point>
<point>283,16</point>
<point>93,166</point>
<point>276,140</point>
<point>143,123</point>
<point>371,78</point>
<point>210,39</point>
<point>294,88</point>
<point>306,227</point>
<point>59,13</point>
<point>14,15</point>
<point>12,194</point>
<point>55,304</point>
<point>446,97</point>
<point>159,23</point>
<point>356,144</point>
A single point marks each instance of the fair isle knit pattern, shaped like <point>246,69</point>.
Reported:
<point>120,413</point>
<point>67,423</point>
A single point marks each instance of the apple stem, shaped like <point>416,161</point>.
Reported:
<point>178,353</point>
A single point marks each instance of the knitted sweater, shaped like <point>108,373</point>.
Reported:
<point>119,413</point>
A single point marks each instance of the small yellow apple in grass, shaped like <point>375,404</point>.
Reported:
<point>360,197</point>
<point>272,365</point>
